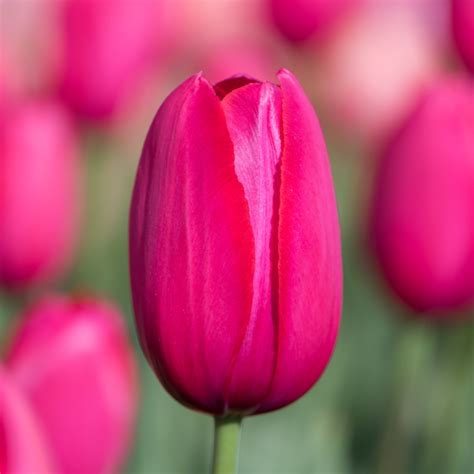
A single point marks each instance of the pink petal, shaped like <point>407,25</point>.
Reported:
<point>310,271</point>
<point>422,225</point>
<point>462,15</point>
<point>253,114</point>
<point>23,448</point>
<point>72,360</point>
<point>191,248</point>
<point>226,86</point>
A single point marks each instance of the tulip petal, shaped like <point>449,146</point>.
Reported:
<point>423,206</point>
<point>72,360</point>
<point>310,271</point>
<point>23,446</point>
<point>226,86</point>
<point>191,248</point>
<point>253,114</point>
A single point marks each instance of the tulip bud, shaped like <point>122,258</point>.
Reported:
<point>354,78</point>
<point>29,45</point>
<point>38,193</point>
<point>22,446</point>
<point>234,55</point>
<point>72,359</point>
<point>234,245</point>
<point>423,216</point>
<point>298,20</point>
<point>462,17</point>
<point>108,46</point>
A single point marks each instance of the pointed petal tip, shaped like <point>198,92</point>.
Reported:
<point>196,83</point>
<point>198,79</point>
<point>285,73</point>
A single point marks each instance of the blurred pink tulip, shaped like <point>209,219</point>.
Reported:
<point>372,68</point>
<point>234,245</point>
<point>11,87</point>
<point>39,180</point>
<point>245,57</point>
<point>205,24</point>
<point>299,20</point>
<point>463,29</point>
<point>72,359</point>
<point>29,45</point>
<point>108,47</point>
<point>423,218</point>
<point>23,448</point>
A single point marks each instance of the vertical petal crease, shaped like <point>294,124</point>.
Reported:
<point>253,114</point>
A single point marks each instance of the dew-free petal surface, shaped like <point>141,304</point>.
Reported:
<point>191,248</point>
<point>309,252</point>
<point>253,115</point>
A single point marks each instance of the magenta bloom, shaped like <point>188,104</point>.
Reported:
<point>423,219</point>
<point>73,360</point>
<point>462,17</point>
<point>234,245</point>
<point>23,448</point>
<point>39,180</point>
<point>298,20</point>
<point>108,46</point>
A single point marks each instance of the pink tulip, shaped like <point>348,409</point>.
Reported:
<point>423,220</point>
<point>251,57</point>
<point>203,25</point>
<point>372,68</point>
<point>29,45</point>
<point>108,47</point>
<point>463,29</point>
<point>234,245</point>
<point>22,446</point>
<point>39,178</point>
<point>72,359</point>
<point>298,20</point>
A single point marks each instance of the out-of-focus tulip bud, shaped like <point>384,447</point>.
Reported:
<point>72,359</point>
<point>29,45</point>
<point>354,80</point>
<point>39,185</point>
<point>234,245</point>
<point>203,25</point>
<point>251,57</point>
<point>23,448</point>
<point>299,20</point>
<point>423,217</point>
<point>462,16</point>
<point>108,46</point>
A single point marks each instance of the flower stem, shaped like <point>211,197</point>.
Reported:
<point>226,444</point>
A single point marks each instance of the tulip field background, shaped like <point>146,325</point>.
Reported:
<point>398,394</point>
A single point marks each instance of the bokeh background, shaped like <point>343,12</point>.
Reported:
<point>398,394</point>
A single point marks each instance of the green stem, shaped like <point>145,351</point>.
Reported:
<point>226,444</point>
<point>413,364</point>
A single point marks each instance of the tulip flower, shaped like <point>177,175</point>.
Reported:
<point>299,20</point>
<point>234,55</point>
<point>234,245</point>
<point>23,448</point>
<point>108,47</point>
<point>39,179</point>
<point>72,359</point>
<point>423,216</point>
<point>462,16</point>
<point>354,79</point>
<point>29,46</point>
